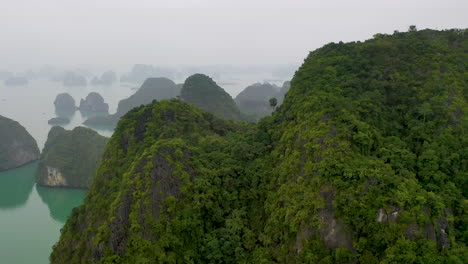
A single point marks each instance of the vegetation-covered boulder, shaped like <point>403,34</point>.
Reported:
<point>17,146</point>
<point>201,91</point>
<point>94,103</point>
<point>70,158</point>
<point>364,162</point>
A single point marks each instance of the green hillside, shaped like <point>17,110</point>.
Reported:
<point>364,162</point>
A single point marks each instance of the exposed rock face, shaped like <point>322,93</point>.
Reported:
<point>55,177</point>
<point>70,158</point>
<point>17,146</point>
<point>389,215</point>
<point>442,231</point>
<point>333,231</point>
<point>94,103</point>
<point>64,102</point>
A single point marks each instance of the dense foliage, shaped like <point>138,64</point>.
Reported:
<point>202,91</point>
<point>74,155</point>
<point>364,162</point>
<point>17,146</point>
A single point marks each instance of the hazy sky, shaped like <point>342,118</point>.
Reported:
<point>119,33</point>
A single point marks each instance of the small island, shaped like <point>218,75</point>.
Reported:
<point>94,103</point>
<point>70,158</point>
<point>58,121</point>
<point>152,89</point>
<point>17,146</point>
<point>64,102</point>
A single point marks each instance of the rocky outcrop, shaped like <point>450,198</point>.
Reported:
<point>94,103</point>
<point>333,231</point>
<point>389,214</point>
<point>70,158</point>
<point>55,177</point>
<point>17,146</point>
<point>64,102</point>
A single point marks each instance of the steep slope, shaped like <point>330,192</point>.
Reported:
<point>364,162</point>
<point>93,103</point>
<point>202,91</point>
<point>162,158</point>
<point>17,146</point>
<point>70,158</point>
<point>371,154</point>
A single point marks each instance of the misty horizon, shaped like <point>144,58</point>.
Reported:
<point>114,35</point>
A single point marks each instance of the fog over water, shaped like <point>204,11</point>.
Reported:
<point>116,34</point>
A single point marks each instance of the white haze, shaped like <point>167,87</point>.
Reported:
<point>115,34</point>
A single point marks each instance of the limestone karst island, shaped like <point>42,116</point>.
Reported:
<point>154,132</point>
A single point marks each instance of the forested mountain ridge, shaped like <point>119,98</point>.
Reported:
<point>364,162</point>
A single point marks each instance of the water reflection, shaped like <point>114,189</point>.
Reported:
<point>60,201</point>
<point>65,113</point>
<point>16,186</point>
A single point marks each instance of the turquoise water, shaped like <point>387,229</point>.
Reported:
<point>31,216</point>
